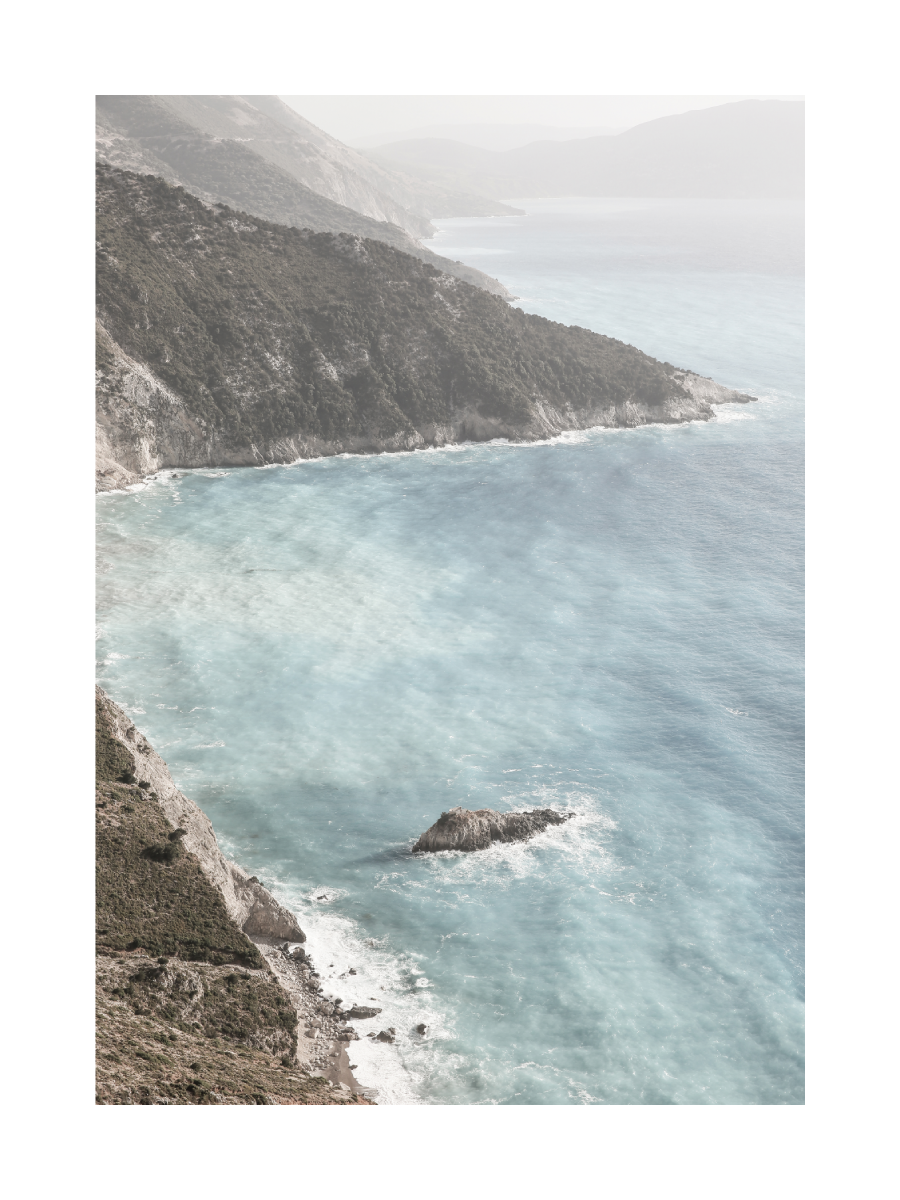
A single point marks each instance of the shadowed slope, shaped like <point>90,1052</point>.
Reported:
<point>226,339</point>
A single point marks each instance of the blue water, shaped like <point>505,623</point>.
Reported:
<point>330,654</point>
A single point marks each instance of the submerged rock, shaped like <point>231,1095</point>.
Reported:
<point>462,829</point>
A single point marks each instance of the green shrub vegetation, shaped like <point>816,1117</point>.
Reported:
<point>267,331</point>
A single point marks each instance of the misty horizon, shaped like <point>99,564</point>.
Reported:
<point>367,121</point>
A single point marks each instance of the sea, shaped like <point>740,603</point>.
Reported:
<point>609,623</point>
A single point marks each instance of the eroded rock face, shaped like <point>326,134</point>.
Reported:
<point>155,411</point>
<point>463,829</point>
<point>249,904</point>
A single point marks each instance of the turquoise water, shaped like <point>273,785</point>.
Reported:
<point>330,654</point>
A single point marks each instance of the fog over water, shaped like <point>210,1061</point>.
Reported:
<point>330,654</point>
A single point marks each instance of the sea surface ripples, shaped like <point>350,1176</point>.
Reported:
<point>330,654</point>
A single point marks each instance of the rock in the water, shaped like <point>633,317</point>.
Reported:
<point>461,829</point>
<point>384,1036</point>
<point>360,1013</point>
<point>421,1028</point>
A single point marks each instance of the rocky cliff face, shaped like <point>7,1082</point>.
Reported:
<point>228,341</point>
<point>203,994</point>
<point>462,829</point>
<point>249,904</point>
<point>144,427</point>
<point>348,169</point>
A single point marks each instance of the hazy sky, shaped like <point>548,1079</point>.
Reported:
<point>351,117</point>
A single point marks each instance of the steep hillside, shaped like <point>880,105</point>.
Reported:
<point>225,150</point>
<point>753,148</point>
<point>189,1009</point>
<point>226,339</point>
<point>337,170</point>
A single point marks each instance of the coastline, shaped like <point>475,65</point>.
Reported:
<point>366,350</point>
<point>160,440</point>
<point>319,1027</point>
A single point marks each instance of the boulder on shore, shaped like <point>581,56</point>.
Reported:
<point>359,1012</point>
<point>462,829</point>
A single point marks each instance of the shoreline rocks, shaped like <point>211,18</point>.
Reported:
<point>144,428</point>
<point>464,829</point>
<point>359,1012</point>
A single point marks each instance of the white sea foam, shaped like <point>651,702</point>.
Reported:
<point>573,606</point>
<point>395,981</point>
<point>725,414</point>
<point>386,979</point>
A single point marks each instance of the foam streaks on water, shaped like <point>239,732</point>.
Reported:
<point>330,654</point>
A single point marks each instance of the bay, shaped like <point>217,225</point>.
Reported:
<point>330,654</point>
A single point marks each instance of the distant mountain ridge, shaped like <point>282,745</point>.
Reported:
<point>487,136</point>
<point>748,149</point>
<point>262,158</point>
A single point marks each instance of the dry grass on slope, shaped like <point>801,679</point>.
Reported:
<point>187,1009</point>
<point>147,1054</point>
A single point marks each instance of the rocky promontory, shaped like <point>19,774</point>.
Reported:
<point>463,829</point>
<point>227,340</point>
<point>204,993</point>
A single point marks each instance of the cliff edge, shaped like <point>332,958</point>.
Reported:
<point>248,903</point>
<point>204,993</point>
<point>226,340</point>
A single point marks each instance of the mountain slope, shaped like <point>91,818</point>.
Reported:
<point>227,339</point>
<point>176,1022</point>
<point>341,167</point>
<point>753,148</point>
<point>156,135</point>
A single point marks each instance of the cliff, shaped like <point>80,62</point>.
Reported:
<point>196,1002</point>
<point>263,158</point>
<point>227,340</point>
<point>247,902</point>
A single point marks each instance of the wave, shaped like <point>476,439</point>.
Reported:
<point>386,978</point>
